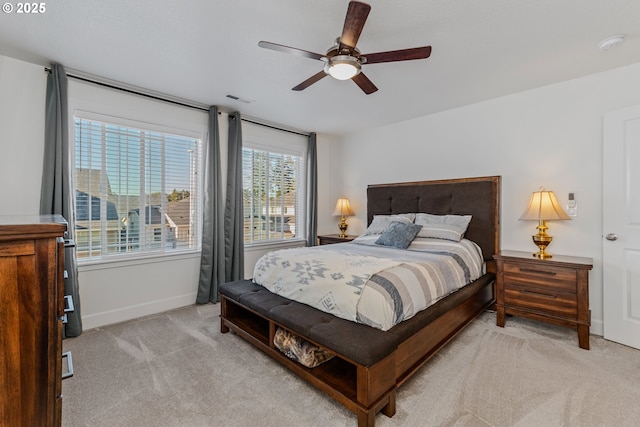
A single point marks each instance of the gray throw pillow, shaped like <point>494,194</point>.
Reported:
<point>399,235</point>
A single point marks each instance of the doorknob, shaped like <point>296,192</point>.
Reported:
<point>612,236</point>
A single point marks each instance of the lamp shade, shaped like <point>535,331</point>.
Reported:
<point>343,208</point>
<point>543,206</point>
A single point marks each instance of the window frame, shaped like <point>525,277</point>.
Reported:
<point>282,142</point>
<point>166,131</point>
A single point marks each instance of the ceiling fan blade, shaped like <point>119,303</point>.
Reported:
<point>365,84</point>
<point>311,80</point>
<point>291,50</point>
<point>397,55</point>
<point>353,23</point>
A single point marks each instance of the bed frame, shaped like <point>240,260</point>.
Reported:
<point>370,364</point>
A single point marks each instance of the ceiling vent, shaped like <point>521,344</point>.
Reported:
<point>237,98</point>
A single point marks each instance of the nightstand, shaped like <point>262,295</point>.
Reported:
<point>553,290</point>
<point>329,239</point>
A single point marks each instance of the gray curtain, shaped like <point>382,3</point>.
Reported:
<point>312,191</point>
<point>212,258</point>
<point>233,215</point>
<point>57,194</point>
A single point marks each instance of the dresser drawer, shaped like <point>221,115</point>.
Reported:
<point>554,303</point>
<point>545,279</point>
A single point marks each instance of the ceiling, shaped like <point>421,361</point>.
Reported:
<point>203,50</point>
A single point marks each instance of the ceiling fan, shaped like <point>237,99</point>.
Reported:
<point>343,61</point>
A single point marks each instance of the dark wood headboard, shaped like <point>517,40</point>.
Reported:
<point>479,197</point>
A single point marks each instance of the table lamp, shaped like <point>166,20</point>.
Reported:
<point>543,207</point>
<point>342,210</point>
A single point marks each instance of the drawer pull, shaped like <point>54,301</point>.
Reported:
<point>68,299</point>
<point>524,291</point>
<point>69,372</point>
<point>528,270</point>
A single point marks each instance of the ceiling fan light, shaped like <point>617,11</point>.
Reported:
<point>342,71</point>
<point>342,67</point>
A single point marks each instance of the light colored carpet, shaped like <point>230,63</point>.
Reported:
<point>177,369</point>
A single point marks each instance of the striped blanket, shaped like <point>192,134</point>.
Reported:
<point>371,284</point>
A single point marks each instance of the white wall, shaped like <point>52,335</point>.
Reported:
<point>551,137</point>
<point>22,93</point>
<point>330,166</point>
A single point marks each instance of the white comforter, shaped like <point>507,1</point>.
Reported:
<point>371,284</point>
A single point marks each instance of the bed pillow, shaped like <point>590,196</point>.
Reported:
<point>399,235</point>
<point>381,222</point>
<point>447,227</point>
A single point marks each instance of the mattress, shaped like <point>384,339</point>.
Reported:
<point>371,284</point>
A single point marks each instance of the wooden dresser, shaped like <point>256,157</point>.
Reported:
<point>32,306</point>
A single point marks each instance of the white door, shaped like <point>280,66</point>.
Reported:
<point>621,226</point>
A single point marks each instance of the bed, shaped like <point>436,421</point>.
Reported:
<point>366,365</point>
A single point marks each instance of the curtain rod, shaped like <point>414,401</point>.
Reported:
<point>171,101</point>
<point>131,91</point>
<point>272,126</point>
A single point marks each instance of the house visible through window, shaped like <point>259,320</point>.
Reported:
<point>273,188</point>
<point>137,190</point>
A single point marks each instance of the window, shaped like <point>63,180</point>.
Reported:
<point>273,185</point>
<point>137,190</point>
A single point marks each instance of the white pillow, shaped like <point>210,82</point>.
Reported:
<point>381,222</point>
<point>447,227</point>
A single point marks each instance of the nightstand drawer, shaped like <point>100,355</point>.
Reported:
<point>540,278</point>
<point>545,301</point>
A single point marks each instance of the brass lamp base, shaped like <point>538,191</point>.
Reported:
<point>343,227</point>
<point>542,240</point>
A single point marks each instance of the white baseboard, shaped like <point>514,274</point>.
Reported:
<point>597,327</point>
<point>97,320</point>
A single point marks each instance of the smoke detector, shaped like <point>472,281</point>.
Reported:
<point>611,42</point>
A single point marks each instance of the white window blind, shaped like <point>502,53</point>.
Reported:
<point>137,190</point>
<point>273,167</point>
